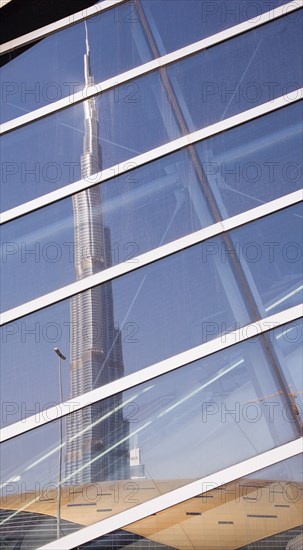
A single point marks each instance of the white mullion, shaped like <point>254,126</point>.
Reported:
<point>151,155</point>
<point>68,21</point>
<point>150,66</point>
<point>222,342</point>
<point>172,498</point>
<point>149,257</point>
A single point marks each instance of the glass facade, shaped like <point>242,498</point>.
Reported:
<point>153,398</point>
<point>53,68</point>
<point>162,201</point>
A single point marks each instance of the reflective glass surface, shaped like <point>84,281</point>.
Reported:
<point>50,153</point>
<point>122,451</point>
<point>208,414</point>
<point>256,162</point>
<point>154,204</point>
<point>141,210</point>
<point>199,19</point>
<point>53,67</point>
<point>141,114</point>
<point>270,253</point>
<point>211,86</point>
<point>260,511</point>
<point>120,327</point>
<point>117,43</point>
<point>288,343</point>
<point>151,314</point>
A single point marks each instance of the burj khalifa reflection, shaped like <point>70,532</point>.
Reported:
<point>96,347</point>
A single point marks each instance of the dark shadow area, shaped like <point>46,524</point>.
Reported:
<point>19,17</point>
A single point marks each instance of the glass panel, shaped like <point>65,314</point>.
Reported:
<point>288,347</point>
<point>122,451</point>
<point>117,43</point>
<point>53,67</point>
<point>259,511</point>
<point>45,155</point>
<point>68,145</point>
<point>270,252</point>
<point>118,328</point>
<point>210,86</point>
<point>256,162</point>
<point>154,204</point>
<point>136,320</point>
<point>200,19</point>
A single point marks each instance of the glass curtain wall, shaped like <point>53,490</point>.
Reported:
<point>217,411</point>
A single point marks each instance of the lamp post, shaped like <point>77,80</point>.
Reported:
<point>61,358</point>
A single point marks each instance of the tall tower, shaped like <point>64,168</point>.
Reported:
<point>96,349</point>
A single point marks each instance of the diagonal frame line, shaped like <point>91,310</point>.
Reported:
<point>172,498</point>
<point>58,25</point>
<point>222,342</point>
<point>150,66</point>
<point>150,257</point>
<point>151,155</point>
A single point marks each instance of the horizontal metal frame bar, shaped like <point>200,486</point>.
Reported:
<point>220,343</point>
<point>150,66</point>
<point>57,25</point>
<point>3,3</point>
<point>202,485</point>
<point>151,155</point>
<point>150,257</point>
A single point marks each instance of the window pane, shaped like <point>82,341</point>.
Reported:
<point>49,150</point>
<point>200,19</point>
<point>117,43</point>
<point>52,68</point>
<point>288,347</point>
<point>129,442</point>
<point>211,86</point>
<point>120,327</point>
<point>158,311</point>
<point>270,252</point>
<point>256,162</point>
<point>262,510</point>
<point>52,152</point>
<point>154,204</point>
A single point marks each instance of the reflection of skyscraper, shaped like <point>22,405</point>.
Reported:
<point>96,349</point>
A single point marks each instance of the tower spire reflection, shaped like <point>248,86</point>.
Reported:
<point>96,348</point>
